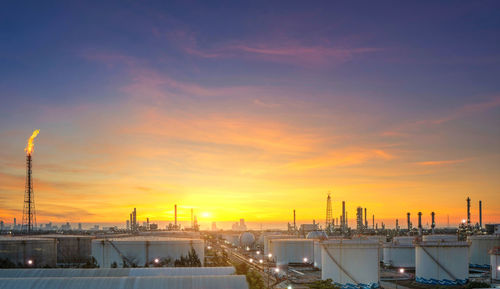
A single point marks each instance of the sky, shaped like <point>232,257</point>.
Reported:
<point>250,110</point>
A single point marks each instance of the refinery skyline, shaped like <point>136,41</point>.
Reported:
<point>250,122</point>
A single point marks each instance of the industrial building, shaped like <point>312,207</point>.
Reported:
<point>143,250</point>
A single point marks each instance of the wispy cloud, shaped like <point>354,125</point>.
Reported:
<point>441,162</point>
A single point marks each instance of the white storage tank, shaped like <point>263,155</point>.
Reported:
<point>441,238</point>
<point>268,238</point>
<point>442,262</point>
<point>29,251</point>
<point>72,249</point>
<point>480,245</point>
<point>143,250</point>
<point>351,262</point>
<point>400,253</point>
<point>319,235</point>
<point>286,251</point>
<point>247,239</point>
<point>495,263</point>
<point>317,254</point>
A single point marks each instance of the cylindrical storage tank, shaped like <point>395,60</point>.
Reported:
<point>247,239</point>
<point>495,263</point>
<point>286,251</point>
<point>140,251</point>
<point>319,235</point>
<point>29,251</point>
<point>440,238</point>
<point>442,263</point>
<point>480,245</point>
<point>317,254</point>
<point>380,238</point>
<point>351,262</point>
<point>268,238</point>
<point>72,249</point>
<point>400,253</point>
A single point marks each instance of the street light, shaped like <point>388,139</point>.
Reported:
<point>401,271</point>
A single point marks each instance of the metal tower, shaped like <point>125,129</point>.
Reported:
<point>29,215</point>
<point>328,221</point>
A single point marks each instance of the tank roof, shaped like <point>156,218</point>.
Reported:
<point>150,239</point>
<point>23,238</point>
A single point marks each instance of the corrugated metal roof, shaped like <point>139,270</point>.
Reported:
<point>116,272</point>
<point>172,282</point>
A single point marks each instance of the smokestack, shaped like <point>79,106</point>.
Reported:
<point>433,224</point>
<point>408,221</point>
<point>397,225</point>
<point>343,215</point>
<point>366,220</point>
<point>468,211</point>
<point>134,215</point>
<point>175,213</point>
<point>420,223</point>
<point>294,225</point>
<point>480,214</point>
<point>147,223</point>
<point>373,221</point>
<point>131,221</point>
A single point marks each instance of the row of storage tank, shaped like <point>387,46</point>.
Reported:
<point>52,250</point>
<point>437,259</point>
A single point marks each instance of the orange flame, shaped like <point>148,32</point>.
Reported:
<point>29,148</point>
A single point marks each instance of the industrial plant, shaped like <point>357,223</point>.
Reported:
<point>298,257</point>
<point>310,255</point>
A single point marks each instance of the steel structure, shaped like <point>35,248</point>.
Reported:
<point>328,220</point>
<point>29,215</point>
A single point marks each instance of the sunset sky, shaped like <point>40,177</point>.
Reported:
<point>250,111</point>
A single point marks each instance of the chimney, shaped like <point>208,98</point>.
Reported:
<point>175,212</point>
<point>433,224</point>
<point>420,223</point>
<point>480,214</point>
<point>343,215</point>
<point>468,212</point>
<point>294,224</point>
<point>408,221</point>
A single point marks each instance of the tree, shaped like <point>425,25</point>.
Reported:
<point>191,260</point>
<point>254,280</point>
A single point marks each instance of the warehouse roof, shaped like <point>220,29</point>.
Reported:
<point>158,282</point>
<point>116,272</point>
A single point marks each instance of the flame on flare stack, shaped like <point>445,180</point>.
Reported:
<point>29,148</point>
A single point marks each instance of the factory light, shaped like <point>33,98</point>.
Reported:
<point>276,270</point>
<point>157,260</point>
<point>305,260</point>
<point>258,252</point>
<point>261,261</point>
<point>401,270</point>
<point>270,255</point>
<point>289,287</point>
<point>30,262</point>
<point>209,247</point>
<point>498,268</point>
<point>251,260</point>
